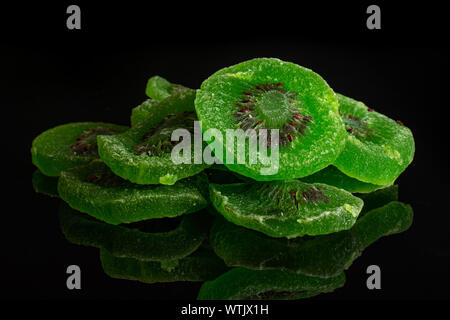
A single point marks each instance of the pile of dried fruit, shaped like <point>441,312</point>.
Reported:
<point>331,150</point>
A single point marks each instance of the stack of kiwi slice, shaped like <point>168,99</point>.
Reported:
<point>287,233</point>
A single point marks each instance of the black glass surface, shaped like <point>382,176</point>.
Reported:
<point>52,76</point>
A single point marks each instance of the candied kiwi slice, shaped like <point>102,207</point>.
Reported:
<point>69,145</point>
<point>377,149</point>
<point>142,154</point>
<point>268,93</point>
<point>288,208</point>
<point>159,88</point>
<point>246,284</point>
<point>333,177</point>
<point>95,190</point>
<point>322,256</point>
<point>201,265</point>
<point>173,238</point>
<point>139,113</point>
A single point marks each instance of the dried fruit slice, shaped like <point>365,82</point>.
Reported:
<point>333,177</point>
<point>151,240</point>
<point>377,149</point>
<point>289,208</point>
<point>95,190</point>
<point>143,153</point>
<point>245,284</point>
<point>139,113</point>
<point>201,265</point>
<point>159,88</point>
<point>45,184</point>
<point>69,145</point>
<point>321,256</point>
<point>268,93</point>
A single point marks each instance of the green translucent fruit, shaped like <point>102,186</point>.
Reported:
<point>69,145</point>
<point>201,265</point>
<point>287,208</point>
<point>95,190</point>
<point>245,284</point>
<point>139,113</point>
<point>322,256</point>
<point>45,184</point>
<point>152,240</point>
<point>143,153</point>
<point>333,177</point>
<point>159,88</point>
<point>377,149</point>
<point>267,93</point>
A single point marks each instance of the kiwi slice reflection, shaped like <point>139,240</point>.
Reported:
<point>378,198</point>
<point>152,240</point>
<point>201,265</point>
<point>246,284</point>
<point>45,184</point>
<point>321,256</point>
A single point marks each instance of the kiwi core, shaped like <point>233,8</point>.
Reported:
<point>104,177</point>
<point>357,127</point>
<point>274,109</point>
<point>271,106</point>
<point>158,140</point>
<point>86,142</point>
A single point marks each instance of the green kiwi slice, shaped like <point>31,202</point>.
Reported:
<point>322,256</point>
<point>246,284</point>
<point>139,113</point>
<point>151,240</point>
<point>45,184</point>
<point>333,177</point>
<point>96,190</point>
<point>142,154</point>
<point>159,88</point>
<point>377,149</point>
<point>69,145</point>
<point>201,265</point>
<point>288,208</point>
<point>268,93</point>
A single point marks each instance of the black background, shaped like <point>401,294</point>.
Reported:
<point>51,76</point>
